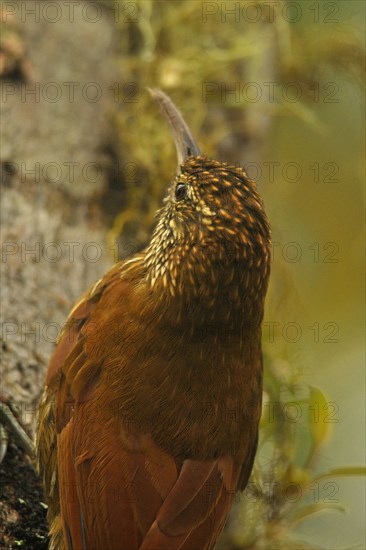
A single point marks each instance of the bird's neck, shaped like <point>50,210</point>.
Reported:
<point>205,280</point>
<point>225,301</point>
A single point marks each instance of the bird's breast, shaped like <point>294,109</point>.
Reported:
<point>195,398</point>
<point>196,393</point>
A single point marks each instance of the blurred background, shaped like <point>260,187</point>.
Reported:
<point>85,159</point>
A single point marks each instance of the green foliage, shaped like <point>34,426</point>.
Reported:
<point>276,501</point>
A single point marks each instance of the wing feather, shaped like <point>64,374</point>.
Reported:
<point>112,488</point>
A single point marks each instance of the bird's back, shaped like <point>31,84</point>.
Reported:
<point>128,443</point>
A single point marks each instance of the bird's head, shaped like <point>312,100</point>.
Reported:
<point>212,237</point>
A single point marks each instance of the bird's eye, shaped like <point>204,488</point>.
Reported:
<point>180,191</point>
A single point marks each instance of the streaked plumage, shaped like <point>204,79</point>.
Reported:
<point>149,419</point>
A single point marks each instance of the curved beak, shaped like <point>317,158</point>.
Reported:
<point>184,142</point>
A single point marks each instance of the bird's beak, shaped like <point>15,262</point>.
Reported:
<point>184,142</point>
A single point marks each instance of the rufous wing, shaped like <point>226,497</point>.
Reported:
<point>113,488</point>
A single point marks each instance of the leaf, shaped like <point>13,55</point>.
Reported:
<point>306,511</point>
<point>342,471</point>
<point>318,417</point>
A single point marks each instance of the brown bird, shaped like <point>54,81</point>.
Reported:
<point>148,424</point>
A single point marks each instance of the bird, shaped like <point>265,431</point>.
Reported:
<point>148,422</point>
